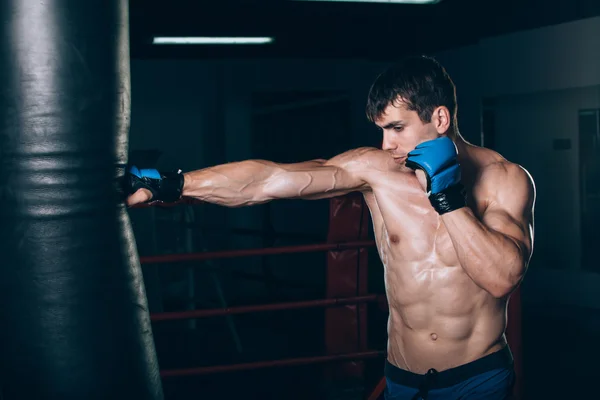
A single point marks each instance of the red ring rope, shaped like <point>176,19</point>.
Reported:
<point>264,307</point>
<point>211,255</point>
<point>269,364</point>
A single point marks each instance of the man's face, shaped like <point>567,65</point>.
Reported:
<point>403,130</point>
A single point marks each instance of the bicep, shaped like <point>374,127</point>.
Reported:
<point>317,179</point>
<point>519,229</point>
<point>510,208</point>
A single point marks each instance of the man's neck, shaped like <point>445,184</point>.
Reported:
<point>461,145</point>
<point>464,156</point>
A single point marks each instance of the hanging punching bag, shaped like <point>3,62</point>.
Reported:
<point>74,321</point>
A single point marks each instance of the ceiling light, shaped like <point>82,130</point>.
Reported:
<point>212,40</point>
<point>382,1</point>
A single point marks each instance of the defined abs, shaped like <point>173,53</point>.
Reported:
<point>419,338</point>
<point>418,351</point>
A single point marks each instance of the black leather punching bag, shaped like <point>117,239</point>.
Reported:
<point>74,321</point>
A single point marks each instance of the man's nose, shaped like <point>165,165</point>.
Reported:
<point>388,144</point>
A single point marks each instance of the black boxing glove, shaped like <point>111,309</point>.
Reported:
<point>450,199</point>
<point>165,187</point>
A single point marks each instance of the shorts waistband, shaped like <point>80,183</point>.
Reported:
<point>441,379</point>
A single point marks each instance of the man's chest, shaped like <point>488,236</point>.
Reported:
<point>406,225</point>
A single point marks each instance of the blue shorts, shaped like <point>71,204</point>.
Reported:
<point>488,378</point>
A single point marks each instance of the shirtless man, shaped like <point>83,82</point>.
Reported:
<point>453,224</point>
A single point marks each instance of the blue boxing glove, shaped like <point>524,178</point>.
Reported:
<point>165,186</point>
<point>437,158</point>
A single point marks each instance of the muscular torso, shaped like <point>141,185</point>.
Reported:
<point>439,318</point>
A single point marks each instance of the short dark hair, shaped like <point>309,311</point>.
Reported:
<point>420,82</point>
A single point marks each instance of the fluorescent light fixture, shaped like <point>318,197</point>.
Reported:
<point>381,1</point>
<point>212,40</point>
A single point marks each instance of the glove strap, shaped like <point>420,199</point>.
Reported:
<point>170,187</point>
<point>449,199</point>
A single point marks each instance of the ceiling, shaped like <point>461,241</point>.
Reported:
<point>373,31</point>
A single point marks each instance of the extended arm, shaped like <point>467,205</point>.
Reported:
<point>252,182</point>
<point>495,250</point>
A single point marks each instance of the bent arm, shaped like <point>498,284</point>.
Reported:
<point>495,250</point>
<point>253,182</point>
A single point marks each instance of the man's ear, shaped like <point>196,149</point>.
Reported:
<point>441,120</point>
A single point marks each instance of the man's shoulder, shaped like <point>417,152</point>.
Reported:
<point>370,164</point>
<point>366,157</point>
<point>369,152</point>
<point>504,171</point>
<point>502,177</point>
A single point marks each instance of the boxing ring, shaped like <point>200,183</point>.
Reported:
<point>344,303</point>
